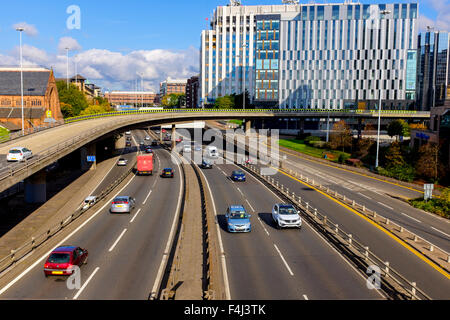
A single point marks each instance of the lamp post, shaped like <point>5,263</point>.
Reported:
<point>383,12</point>
<point>141,74</point>
<point>20,29</point>
<point>67,71</point>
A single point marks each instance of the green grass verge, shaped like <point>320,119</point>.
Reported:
<point>300,146</point>
<point>238,122</point>
<point>436,206</point>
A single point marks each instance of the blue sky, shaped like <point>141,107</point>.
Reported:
<point>126,27</point>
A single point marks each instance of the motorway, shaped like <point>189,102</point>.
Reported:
<point>125,251</point>
<point>412,265</point>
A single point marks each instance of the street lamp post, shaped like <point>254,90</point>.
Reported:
<point>20,29</point>
<point>383,12</point>
<point>67,71</point>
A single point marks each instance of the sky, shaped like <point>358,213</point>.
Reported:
<point>114,40</point>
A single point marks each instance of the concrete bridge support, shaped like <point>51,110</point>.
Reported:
<point>36,188</point>
<point>173,137</point>
<point>88,151</point>
<point>247,126</point>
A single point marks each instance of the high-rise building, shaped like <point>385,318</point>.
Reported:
<point>317,56</point>
<point>433,75</point>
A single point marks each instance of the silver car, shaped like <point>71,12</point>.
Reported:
<point>123,205</point>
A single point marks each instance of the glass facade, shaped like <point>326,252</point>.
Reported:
<point>267,58</point>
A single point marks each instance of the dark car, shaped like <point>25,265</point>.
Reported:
<point>206,164</point>
<point>128,144</point>
<point>62,260</point>
<point>167,173</point>
<point>148,150</point>
<point>238,175</point>
<point>154,143</point>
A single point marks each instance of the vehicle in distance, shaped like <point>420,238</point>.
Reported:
<point>286,216</point>
<point>167,173</point>
<point>89,202</point>
<point>128,144</point>
<point>122,162</point>
<point>238,175</point>
<point>148,150</point>
<point>206,164</point>
<point>145,164</point>
<point>154,142</point>
<point>238,220</point>
<point>187,148</point>
<point>62,260</point>
<point>128,133</point>
<point>212,152</point>
<point>18,154</point>
<point>122,205</point>
<point>147,138</point>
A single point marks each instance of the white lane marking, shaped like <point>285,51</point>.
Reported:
<point>9,285</point>
<point>85,284</point>
<point>240,191</point>
<point>361,194</point>
<point>250,205</point>
<point>385,205</point>
<point>131,221</point>
<point>305,297</point>
<point>284,260</point>
<point>440,231</point>
<point>171,235</point>
<point>117,241</point>
<point>417,220</point>
<point>147,197</point>
<point>224,263</point>
<point>267,232</point>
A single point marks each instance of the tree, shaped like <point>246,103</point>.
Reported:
<point>239,101</point>
<point>225,102</point>
<point>398,128</point>
<point>72,96</point>
<point>394,157</point>
<point>341,136</point>
<point>67,110</point>
<point>174,100</point>
<point>94,109</point>
<point>428,164</point>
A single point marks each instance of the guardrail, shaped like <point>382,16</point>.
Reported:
<point>393,283</point>
<point>16,255</point>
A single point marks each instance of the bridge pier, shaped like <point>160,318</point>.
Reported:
<point>89,150</point>
<point>173,137</point>
<point>36,188</point>
<point>247,126</point>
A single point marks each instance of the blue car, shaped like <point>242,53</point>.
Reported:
<point>238,220</point>
<point>238,175</point>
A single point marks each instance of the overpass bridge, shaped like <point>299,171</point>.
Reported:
<point>83,132</point>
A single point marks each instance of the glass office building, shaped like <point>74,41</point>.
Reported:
<point>316,56</point>
<point>434,72</point>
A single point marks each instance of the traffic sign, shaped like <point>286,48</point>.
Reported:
<point>91,158</point>
<point>428,191</point>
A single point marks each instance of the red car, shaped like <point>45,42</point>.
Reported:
<point>62,259</point>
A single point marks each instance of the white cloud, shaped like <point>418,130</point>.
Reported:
<point>442,21</point>
<point>109,69</point>
<point>29,29</point>
<point>68,42</point>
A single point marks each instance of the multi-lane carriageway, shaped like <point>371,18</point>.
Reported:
<point>126,251</point>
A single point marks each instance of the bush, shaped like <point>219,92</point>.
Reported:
<point>343,158</point>
<point>403,173</point>
<point>317,144</point>
<point>311,139</point>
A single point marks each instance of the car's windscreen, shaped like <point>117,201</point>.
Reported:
<point>287,210</point>
<point>59,258</point>
<point>238,215</point>
<point>15,151</point>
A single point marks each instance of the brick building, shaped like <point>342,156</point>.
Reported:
<point>136,98</point>
<point>40,94</point>
<point>172,86</point>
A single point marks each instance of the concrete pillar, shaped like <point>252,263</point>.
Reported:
<point>85,152</point>
<point>173,137</point>
<point>36,188</point>
<point>247,126</point>
<point>359,128</point>
<point>302,126</point>
<point>160,136</point>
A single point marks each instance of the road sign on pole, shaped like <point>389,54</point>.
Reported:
<point>91,158</point>
<point>428,191</point>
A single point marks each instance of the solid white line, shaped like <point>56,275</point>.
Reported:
<point>305,297</point>
<point>85,284</point>
<point>171,235</point>
<point>417,220</point>
<point>282,258</point>
<point>131,221</point>
<point>9,285</point>
<point>385,205</point>
<point>240,191</point>
<point>147,197</point>
<point>440,231</point>
<point>117,241</point>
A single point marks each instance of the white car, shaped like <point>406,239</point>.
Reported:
<point>89,202</point>
<point>286,216</point>
<point>19,154</point>
<point>147,138</point>
<point>122,162</point>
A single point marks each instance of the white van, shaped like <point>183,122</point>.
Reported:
<point>187,148</point>
<point>212,152</point>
